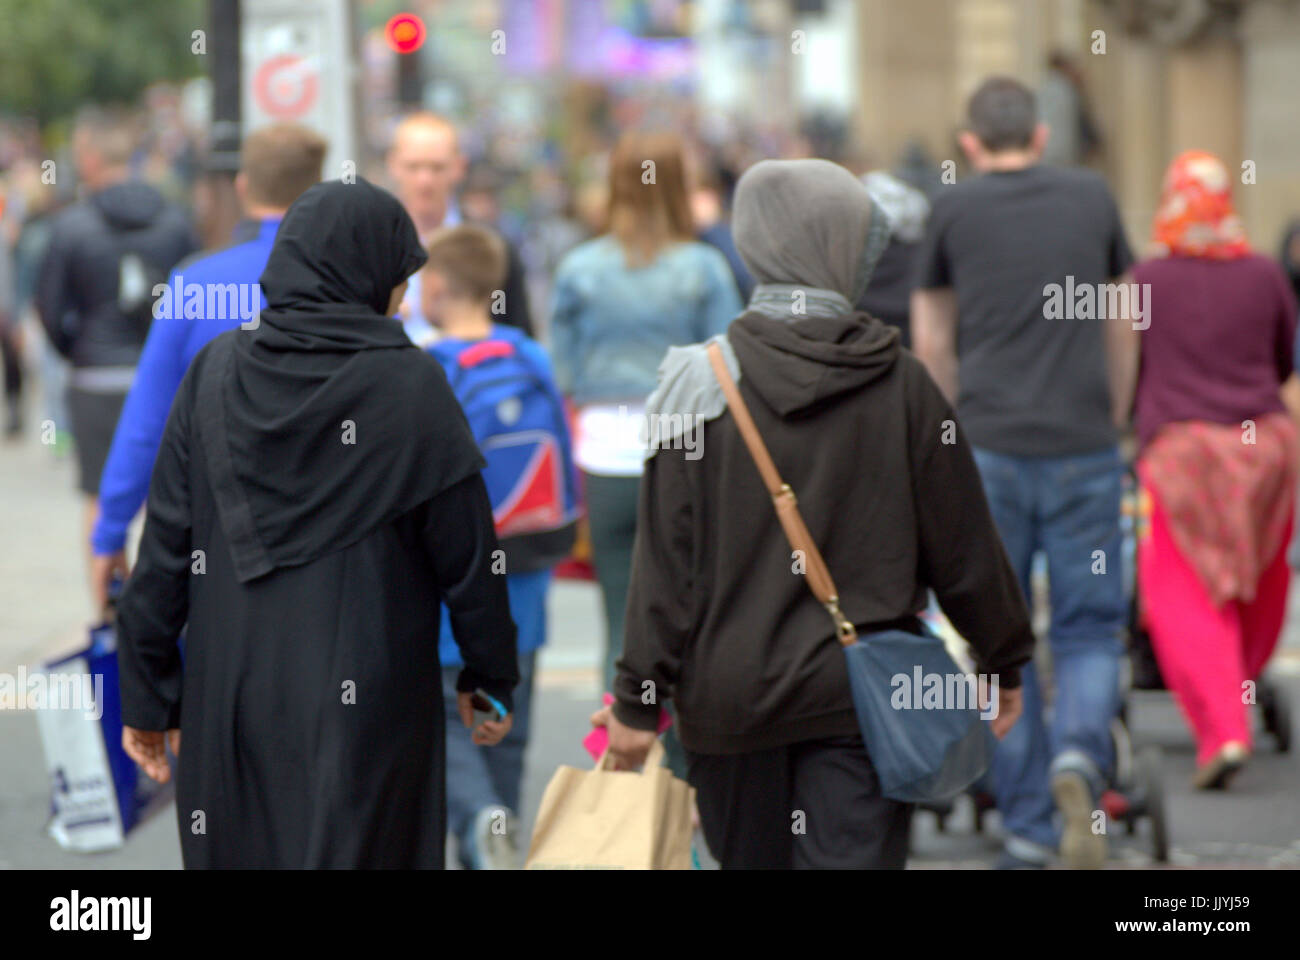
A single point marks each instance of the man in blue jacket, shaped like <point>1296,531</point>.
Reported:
<point>279,162</point>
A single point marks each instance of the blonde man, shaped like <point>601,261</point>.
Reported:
<point>426,166</point>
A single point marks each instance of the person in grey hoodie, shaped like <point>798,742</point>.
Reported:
<point>719,619</point>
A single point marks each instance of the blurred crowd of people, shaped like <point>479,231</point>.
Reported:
<point>892,333</point>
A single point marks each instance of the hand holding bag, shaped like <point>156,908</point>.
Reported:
<point>918,711</point>
<point>606,819</point>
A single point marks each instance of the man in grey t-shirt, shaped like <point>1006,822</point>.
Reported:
<point>1014,317</point>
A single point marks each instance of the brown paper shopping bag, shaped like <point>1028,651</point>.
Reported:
<point>614,819</point>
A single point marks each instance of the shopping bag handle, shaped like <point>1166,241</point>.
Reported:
<point>652,759</point>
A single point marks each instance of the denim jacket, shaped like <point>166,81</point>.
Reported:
<point>611,325</point>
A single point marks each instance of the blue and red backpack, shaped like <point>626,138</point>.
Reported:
<point>505,386</point>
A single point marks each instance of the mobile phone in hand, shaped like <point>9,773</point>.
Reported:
<point>486,707</point>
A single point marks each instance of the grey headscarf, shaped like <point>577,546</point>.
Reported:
<point>811,235</point>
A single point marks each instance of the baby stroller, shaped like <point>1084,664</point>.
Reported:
<point>1136,791</point>
<point>1136,794</point>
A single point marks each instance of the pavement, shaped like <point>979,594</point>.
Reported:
<point>44,609</point>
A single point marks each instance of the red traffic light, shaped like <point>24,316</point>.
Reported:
<point>405,33</point>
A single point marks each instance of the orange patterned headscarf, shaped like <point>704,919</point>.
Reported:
<point>1196,217</point>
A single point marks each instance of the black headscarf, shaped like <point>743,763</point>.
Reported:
<point>326,421</point>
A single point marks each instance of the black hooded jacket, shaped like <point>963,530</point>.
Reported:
<point>717,614</point>
<point>77,291</point>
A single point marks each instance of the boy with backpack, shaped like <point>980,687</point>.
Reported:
<point>504,382</point>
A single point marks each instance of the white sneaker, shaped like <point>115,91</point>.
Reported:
<point>1081,847</point>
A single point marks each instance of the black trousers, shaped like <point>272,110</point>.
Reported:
<point>94,417</point>
<point>809,805</point>
<point>13,360</point>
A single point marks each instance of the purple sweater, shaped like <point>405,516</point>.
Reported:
<point>1219,343</point>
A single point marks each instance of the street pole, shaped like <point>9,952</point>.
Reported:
<point>221,210</point>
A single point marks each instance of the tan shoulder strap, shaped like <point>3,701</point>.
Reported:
<point>783,498</point>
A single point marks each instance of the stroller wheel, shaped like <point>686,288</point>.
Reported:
<point>1150,767</point>
<point>1276,707</point>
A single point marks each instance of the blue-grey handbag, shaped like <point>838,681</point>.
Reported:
<point>918,711</point>
<point>920,715</point>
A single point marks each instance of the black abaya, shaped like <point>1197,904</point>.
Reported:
<point>310,704</point>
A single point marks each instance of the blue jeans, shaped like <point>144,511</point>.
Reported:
<point>1068,508</point>
<point>479,777</point>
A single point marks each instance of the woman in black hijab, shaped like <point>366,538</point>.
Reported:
<point>317,493</point>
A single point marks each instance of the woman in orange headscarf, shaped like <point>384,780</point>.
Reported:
<point>1217,458</point>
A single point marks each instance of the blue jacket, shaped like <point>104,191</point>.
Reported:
<point>527,609</point>
<point>611,325</point>
<point>172,343</point>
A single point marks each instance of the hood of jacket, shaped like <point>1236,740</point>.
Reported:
<point>797,367</point>
<point>129,206</point>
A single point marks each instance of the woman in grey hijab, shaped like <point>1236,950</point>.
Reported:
<point>810,235</point>
<point>720,619</point>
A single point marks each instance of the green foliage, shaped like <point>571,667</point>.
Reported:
<point>57,55</point>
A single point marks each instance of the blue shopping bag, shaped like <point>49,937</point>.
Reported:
<point>97,792</point>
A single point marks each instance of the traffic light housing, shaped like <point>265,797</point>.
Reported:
<point>405,35</point>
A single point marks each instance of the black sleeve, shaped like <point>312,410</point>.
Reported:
<point>930,261</point>
<point>1120,257</point>
<point>961,554</point>
<point>660,601</point>
<point>462,543</point>
<point>52,288</point>
<point>516,290</point>
<point>155,604</point>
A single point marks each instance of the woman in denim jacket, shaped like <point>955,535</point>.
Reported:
<point>620,301</point>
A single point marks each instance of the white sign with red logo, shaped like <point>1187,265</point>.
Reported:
<point>286,86</point>
<point>297,65</point>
